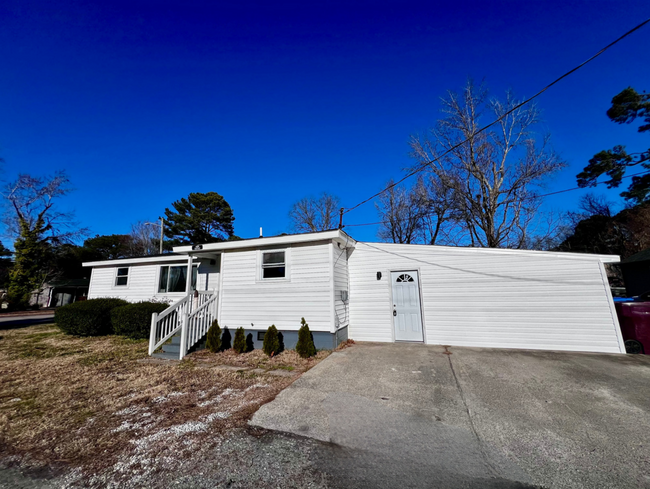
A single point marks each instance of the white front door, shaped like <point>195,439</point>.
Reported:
<point>407,316</point>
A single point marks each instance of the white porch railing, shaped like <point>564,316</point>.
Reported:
<point>192,316</point>
<point>198,322</point>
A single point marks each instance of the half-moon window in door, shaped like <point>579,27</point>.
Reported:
<point>405,277</point>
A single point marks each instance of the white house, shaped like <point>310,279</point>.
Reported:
<point>373,292</point>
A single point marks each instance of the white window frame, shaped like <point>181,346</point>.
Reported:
<point>194,267</point>
<point>117,275</point>
<point>287,265</point>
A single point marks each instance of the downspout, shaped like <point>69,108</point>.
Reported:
<point>188,277</point>
<point>333,327</point>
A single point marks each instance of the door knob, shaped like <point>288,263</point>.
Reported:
<point>394,312</point>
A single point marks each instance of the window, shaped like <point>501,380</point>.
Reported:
<point>404,278</point>
<point>273,264</point>
<point>260,335</point>
<point>122,277</point>
<point>173,279</point>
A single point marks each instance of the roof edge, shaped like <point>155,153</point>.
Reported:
<point>334,234</point>
<point>469,249</point>
<point>141,259</point>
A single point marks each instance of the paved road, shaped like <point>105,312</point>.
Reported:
<point>18,321</point>
<point>406,415</point>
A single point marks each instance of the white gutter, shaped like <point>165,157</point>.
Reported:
<point>134,261</point>
<point>336,235</point>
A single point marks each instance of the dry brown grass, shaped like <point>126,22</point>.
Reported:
<point>89,403</point>
<point>288,359</point>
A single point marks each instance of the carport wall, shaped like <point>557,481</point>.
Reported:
<point>488,297</point>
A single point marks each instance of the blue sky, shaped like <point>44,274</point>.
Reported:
<point>143,102</point>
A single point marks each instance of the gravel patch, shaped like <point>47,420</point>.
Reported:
<point>246,458</point>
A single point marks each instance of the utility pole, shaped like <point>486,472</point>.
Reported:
<point>162,229</point>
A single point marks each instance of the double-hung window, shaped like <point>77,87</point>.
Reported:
<point>174,278</point>
<point>274,264</point>
<point>122,277</point>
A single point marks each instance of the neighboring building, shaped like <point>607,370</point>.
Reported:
<point>67,291</point>
<point>636,273</point>
<point>373,292</point>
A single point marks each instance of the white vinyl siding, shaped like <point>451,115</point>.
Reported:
<point>144,279</point>
<point>484,298</point>
<point>305,291</point>
<point>341,308</point>
<point>208,277</point>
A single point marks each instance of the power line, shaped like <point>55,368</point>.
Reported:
<point>527,198</point>
<point>424,165</point>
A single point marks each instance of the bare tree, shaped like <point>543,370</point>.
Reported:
<point>589,205</point>
<point>33,220</point>
<point>401,211</point>
<point>32,206</point>
<point>311,214</point>
<point>437,201</point>
<point>144,240</point>
<point>495,176</point>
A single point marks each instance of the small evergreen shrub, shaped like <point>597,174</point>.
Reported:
<point>305,346</point>
<point>134,320</point>
<point>226,339</point>
<point>239,344</point>
<point>271,344</point>
<point>213,340</point>
<point>88,318</point>
<point>250,345</point>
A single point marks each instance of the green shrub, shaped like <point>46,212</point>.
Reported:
<point>305,346</point>
<point>250,345</point>
<point>134,320</point>
<point>226,339</point>
<point>87,318</point>
<point>239,345</point>
<point>271,344</point>
<point>213,341</point>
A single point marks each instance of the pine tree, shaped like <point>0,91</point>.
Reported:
<point>271,342</point>
<point>199,218</point>
<point>305,346</point>
<point>213,342</point>
<point>239,344</point>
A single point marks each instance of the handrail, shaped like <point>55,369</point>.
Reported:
<point>188,315</point>
<point>197,324</point>
<point>172,306</point>
<point>167,324</point>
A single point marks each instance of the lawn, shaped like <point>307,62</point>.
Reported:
<point>97,405</point>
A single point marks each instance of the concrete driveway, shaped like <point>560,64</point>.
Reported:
<point>410,415</point>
